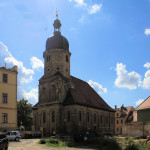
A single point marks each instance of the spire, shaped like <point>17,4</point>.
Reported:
<point>56,13</point>
<point>57,23</point>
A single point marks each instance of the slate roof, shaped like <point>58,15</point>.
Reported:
<point>84,94</point>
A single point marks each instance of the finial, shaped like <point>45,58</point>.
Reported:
<point>56,13</point>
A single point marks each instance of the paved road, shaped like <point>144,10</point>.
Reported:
<point>32,144</point>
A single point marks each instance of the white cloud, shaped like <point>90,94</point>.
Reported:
<point>147,65</point>
<point>25,75</point>
<point>80,2</point>
<point>97,87</point>
<point>147,31</point>
<point>94,8</point>
<point>146,81</point>
<point>31,95</point>
<point>127,80</point>
<point>36,63</point>
<point>139,102</point>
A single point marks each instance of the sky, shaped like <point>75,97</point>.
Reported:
<point>109,43</point>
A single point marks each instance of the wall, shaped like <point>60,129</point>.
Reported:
<point>143,115</point>
<point>136,129</point>
<point>11,106</point>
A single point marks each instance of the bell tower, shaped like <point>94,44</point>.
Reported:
<point>57,55</point>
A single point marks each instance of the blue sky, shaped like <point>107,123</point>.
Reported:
<point>109,41</point>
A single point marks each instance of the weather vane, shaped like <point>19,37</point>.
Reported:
<point>56,13</point>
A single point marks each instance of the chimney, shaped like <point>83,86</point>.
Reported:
<point>115,106</point>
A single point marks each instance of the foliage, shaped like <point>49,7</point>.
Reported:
<point>42,141</point>
<point>132,147</point>
<point>53,142</point>
<point>24,111</point>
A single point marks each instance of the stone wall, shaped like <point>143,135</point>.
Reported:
<point>136,129</point>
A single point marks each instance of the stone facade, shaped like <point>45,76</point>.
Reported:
<point>67,105</point>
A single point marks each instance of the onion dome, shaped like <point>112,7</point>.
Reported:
<point>57,41</point>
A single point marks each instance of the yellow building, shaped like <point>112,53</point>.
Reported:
<point>8,98</point>
<point>123,115</point>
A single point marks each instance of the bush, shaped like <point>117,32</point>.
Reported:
<point>132,147</point>
<point>42,141</point>
<point>53,141</point>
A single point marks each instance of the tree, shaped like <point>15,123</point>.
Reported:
<point>24,114</point>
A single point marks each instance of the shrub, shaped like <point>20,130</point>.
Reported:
<point>53,141</point>
<point>132,147</point>
<point>42,141</point>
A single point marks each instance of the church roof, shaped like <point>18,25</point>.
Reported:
<point>84,94</point>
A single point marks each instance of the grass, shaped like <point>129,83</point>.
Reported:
<point>52,142</point>
<point>101,143</point>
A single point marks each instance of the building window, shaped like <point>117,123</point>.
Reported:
<point>44,117</point>
<point>121,121</point>
<point>5,117</point>
<point>88,117</point>
<point>68,116</point>
<point>5,78</point>
<point>4,98</point>
<point>117,129</point>
<point>117,122</point>
<point>94,118</point>
<point>101,119</point>
<point>66,58</point>
<point>53,116</point>
<point>117,114</point>
<point>80,116</point>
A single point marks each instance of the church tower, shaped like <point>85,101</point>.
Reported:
<point>57,55</point>
<point>54,85</point>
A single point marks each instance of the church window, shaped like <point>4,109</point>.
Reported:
<point>88,117</point>
<point>44,117</point>
<point>66,70</point>
<point>67,58</point>
<point>95,118</point>
<point>101,118</point>
<point>48,69</point>
<point>106,119</point>
<point>68,116</point>
<point>53,116</point>
<point>80,116</point>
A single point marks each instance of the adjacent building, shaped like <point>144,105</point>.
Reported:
<point>123,115</point>
<point>67,105</point>
<point>142,112</point>
<point>8,98</point>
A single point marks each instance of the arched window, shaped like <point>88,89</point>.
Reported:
<point>101,118</point>
<point>95,118</point>
<point>68,116</point>
<point>88,117</point>
<point>67,58</point>
<point>44,117</point>
<point>53,116</point>
<point>80,116</point>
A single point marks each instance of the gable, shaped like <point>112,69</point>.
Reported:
<point>144,105</point>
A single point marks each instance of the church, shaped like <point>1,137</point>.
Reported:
<point>67,105</point>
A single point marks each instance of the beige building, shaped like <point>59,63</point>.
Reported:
<point>8,98</point>
<point>123,115</point>
<point>67,105</point>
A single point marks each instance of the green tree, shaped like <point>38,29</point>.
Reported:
<point>24,114</point>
